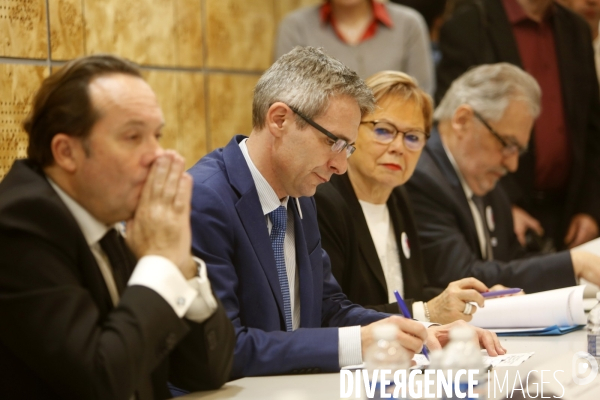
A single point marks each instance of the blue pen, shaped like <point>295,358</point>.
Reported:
<point>407,314</point>
<point>504,292</point>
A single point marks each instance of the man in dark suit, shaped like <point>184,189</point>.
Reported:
<point>86,315</point>
<point>464,221</point>
<point>254,223</point>
<point>557,188</point>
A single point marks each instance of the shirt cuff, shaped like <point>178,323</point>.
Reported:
<point>349,346</point>
<point>204,305</point>
<point>419,311</point>
<point>161,275</point>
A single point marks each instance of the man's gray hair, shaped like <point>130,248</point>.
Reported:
<point>488,89</point>
<point>306,79</point>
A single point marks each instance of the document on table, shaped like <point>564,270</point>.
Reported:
<point>561,307</point>
<point>593,246</point>
<point>553,330</point>
<point>506,360</point>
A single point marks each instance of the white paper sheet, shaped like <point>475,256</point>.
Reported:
<point>560,307</point>
<point>593,246</point>
<point>507,360</point>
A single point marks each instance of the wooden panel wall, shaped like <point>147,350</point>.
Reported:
<point>202,58</point>
<point>17,84</point>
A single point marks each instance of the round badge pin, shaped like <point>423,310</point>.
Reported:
<point>489,215</point>
<point>405,245</point>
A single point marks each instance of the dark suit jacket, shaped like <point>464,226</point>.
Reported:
<point>480,33</point>
<point>61,337</point>
<point>354,261</point>
<point>230,233</point>
<point>449,239</point>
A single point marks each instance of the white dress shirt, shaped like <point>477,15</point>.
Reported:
<point>477,217</point>
<point>192,298</point>
<point>350,352</point>
<point>381,229</point>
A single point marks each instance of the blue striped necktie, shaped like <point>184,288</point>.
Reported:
<point>279,221</point>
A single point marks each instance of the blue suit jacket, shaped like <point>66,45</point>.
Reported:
<point>230,234</point>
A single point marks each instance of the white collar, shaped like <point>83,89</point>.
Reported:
<point>93,230</point>
<point>266,195</point>
<point>464,184</point>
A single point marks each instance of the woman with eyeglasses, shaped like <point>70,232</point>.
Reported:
<point>365,218</point>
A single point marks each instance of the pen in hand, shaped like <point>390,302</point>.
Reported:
<point>504,292</point>
<point>407,314</point>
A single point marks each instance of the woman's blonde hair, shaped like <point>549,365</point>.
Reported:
<point>395,83</point>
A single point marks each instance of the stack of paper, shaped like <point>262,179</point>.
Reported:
<point>553,311</point>
<point>593,246</point>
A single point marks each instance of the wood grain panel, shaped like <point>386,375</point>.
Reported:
<point>188,34</point>
<point>151,32</point>
<point>240,34</point>
<point>284,7</point>
<point>181,96</point>
<point>192,142</point>
<point>66,29</point>
<point>230,106</point>
<point>23,29</point>
<point>18,84</point>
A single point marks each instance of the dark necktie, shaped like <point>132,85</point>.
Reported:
<point>279,220</point>
<point>122,260</point>
<point>478,200</point>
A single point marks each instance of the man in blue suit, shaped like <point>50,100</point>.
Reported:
<point>260,238</point>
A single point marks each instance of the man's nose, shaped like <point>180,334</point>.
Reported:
<point>511,162</point>
<point>153,151</point>
<point>339,162</point>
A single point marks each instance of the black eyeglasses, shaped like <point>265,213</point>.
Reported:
<point>385,133</point>
<point>509,148</point>
<point>337,144</point>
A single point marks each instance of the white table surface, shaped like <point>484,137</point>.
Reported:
<point>551,353</point>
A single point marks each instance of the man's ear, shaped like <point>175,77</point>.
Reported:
<point>66,150</point>
<point>462,119</point>
<point>279,117</point>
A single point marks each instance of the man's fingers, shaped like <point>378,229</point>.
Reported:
<point>523,221</point>
<point>412,334</point>
<point>183,198</point>
<point>580,238</point>
<point>409,326</point>
<point>571,232</point>
<point>162,165</point>
<point>534,224</point>
<point>148,185</point>
<point>173,179</point>
<point>410,342</point>
<point>521,237</point>
<point>433,343</point>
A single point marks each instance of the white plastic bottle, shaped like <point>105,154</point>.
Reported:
<point>385,353</point>
<point>463,353</point>
<point>593,330</point>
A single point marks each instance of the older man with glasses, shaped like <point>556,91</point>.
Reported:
<point>254,223</point>
<point>464,220</point>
